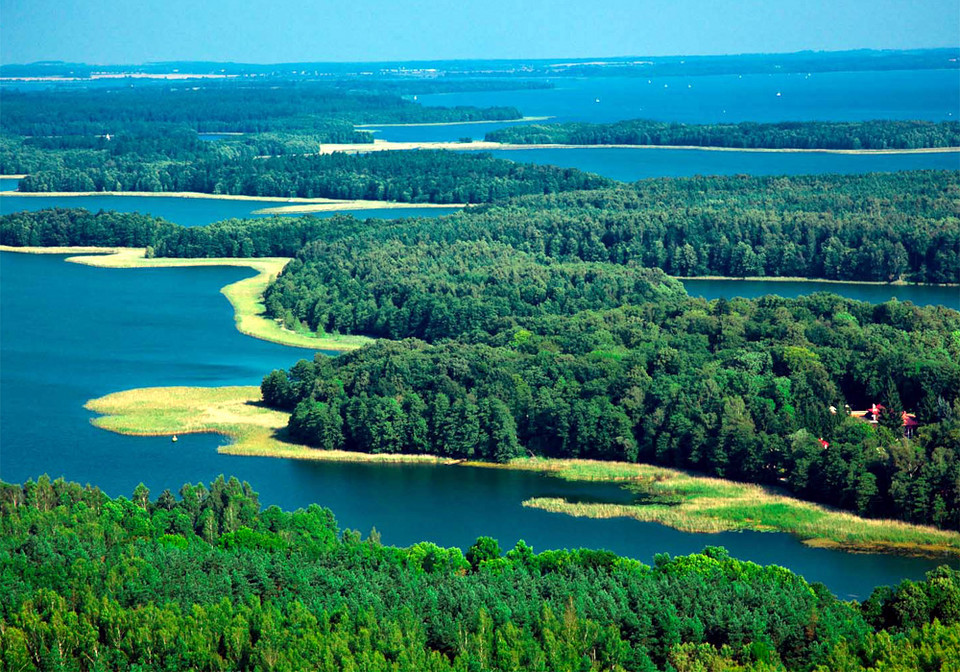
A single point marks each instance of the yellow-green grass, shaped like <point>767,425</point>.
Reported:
<point>695,503</point>
<point>246,296</point>
<point>670,497</point>
<point>236,412</point>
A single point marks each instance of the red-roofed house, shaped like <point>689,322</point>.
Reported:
<point>872,415</point>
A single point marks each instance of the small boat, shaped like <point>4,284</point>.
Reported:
<point>778,94</point>
<point>174,439</point>
<point>597,100</point>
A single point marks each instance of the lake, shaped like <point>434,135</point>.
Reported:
<point>932,95</point>
<point>191,211</point>
<point>629,164</point>
<point>918,294</point>
<point>71,332</point>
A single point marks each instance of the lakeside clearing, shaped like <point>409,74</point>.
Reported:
<point>246,296</point>
<point>671,497</point>
<point>521,120</point>
<point>484,146</point>
<point>318,204</point>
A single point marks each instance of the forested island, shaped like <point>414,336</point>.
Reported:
<point>408,177</point>
<point>208,581</point>
<point>847,135</point>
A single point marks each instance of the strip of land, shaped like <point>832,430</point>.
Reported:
<point>668,496</point>
<point>485,146</point>
<point>521,120</point>
<point>12,177</point>
<point>246,296</point>
<point>314,204</point>
<point>351,205</point>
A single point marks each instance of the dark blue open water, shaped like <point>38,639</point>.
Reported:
<point>933,95</point>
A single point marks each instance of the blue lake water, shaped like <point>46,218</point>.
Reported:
<point>920,295</point>
<point>191,211</point>
<point>71,332</point>
<point>830,96</point>
<point>838,96</point>
<point>9,184</point>
<point>629,164</point>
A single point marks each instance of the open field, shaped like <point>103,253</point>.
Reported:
<point>246,296</point>
<point>485,146</point>
<point>670,497</point>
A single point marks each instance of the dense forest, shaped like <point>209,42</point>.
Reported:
<point>748,135</point>
<point>208,581</point>
<point>412,177</point>
<point>875,227</point>
<point>248,107</point>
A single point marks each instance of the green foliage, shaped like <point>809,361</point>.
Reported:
<point>209,582</point>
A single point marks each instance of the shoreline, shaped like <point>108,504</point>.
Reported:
<point>521,120</point>
<point>379,145</point>
<point>679,499</point>
<point>245,296</point>
<point>763,278</point>
<point>300,205</point>
<point>12,177</point>
<point>307,208</point>
<point>332,202</point>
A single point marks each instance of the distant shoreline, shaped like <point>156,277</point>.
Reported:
<point>300,204</point>
<point>455,123</point>
<point>12,177</point>
<point>485,146</point>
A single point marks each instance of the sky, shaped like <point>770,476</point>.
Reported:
<point>276,31</point>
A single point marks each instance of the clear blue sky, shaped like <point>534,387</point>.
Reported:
<point>260,31</point>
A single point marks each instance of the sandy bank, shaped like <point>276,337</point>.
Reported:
<point>485,146</point>
<point>521,120</point>
<point>300,205</point>
<point>352,205</point>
